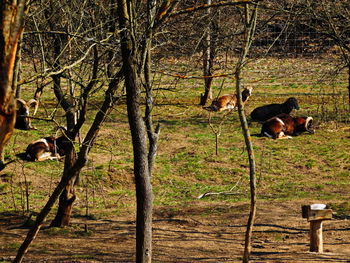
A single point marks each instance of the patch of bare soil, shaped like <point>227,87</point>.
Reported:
<point>202,232</point>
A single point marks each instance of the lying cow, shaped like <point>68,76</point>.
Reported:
<point>48,148</point>
<point>284,126</point>
<point>229,101</point>
<point>263,113</point>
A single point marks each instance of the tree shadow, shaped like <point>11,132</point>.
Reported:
<point>180,239</point>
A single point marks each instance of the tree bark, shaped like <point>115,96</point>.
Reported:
<point>144,194</point>
<point>153,133</point>
<point>68,196</point>
<point>11,19</point>
<point>252,171</point>
<point>250,23</point>
<point>17,69</point>
<point>208,58</point>
<point>349,84</point>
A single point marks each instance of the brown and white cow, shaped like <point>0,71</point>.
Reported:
<point>48,148</point>
<point>284,126</point>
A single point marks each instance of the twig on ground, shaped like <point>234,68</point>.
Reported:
<point>229,192</point>
<point>217,193</point>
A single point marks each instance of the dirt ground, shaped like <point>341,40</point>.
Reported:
<point>203,232</point>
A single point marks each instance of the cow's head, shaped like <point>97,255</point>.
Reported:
<point>23,122</point>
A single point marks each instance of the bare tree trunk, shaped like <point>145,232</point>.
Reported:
<point>252,173</point>
<point>144,194</point>
<point>349,83</point>
<point>17,69</point>
<point>153,134</point>
<point>250,23</point>
<point>208,57</point>
<point>11,19</point>
<point>68,196</point>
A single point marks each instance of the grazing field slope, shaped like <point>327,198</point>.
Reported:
<point>310,168</point>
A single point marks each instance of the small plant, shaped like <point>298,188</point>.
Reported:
<point>4,187</point>
<point>278,237</point>
<point>57,231</point>
<point>14,246</point>
<point>342,209</point>
<point>83,233</point>
<point>310,164</point>
<point>319,187</point>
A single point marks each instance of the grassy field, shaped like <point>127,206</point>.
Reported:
<point>304,169</point>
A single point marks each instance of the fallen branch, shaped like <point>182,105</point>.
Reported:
<point>229,192</point>
<point>217,193</point>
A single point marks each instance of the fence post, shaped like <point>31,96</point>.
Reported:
<point>316,214</point>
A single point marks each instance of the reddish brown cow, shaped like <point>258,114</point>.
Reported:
<point>284,126</point>
<point>229,101</point>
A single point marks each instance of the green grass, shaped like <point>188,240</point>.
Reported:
<point>306,167</point>
<point>341,209</point>
<point>14,246</point>
<point>56,231</point>
<point>4,187</point>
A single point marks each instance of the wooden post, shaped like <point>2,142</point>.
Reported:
<point>316,238</point>
<point>315,214</point>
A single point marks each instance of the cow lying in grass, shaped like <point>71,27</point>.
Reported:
<point>229,102</point>
<point>48,148</point>
<point>284,126</point>
<point>263,113</point>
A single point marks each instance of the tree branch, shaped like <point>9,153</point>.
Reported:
<point>219,4</point>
